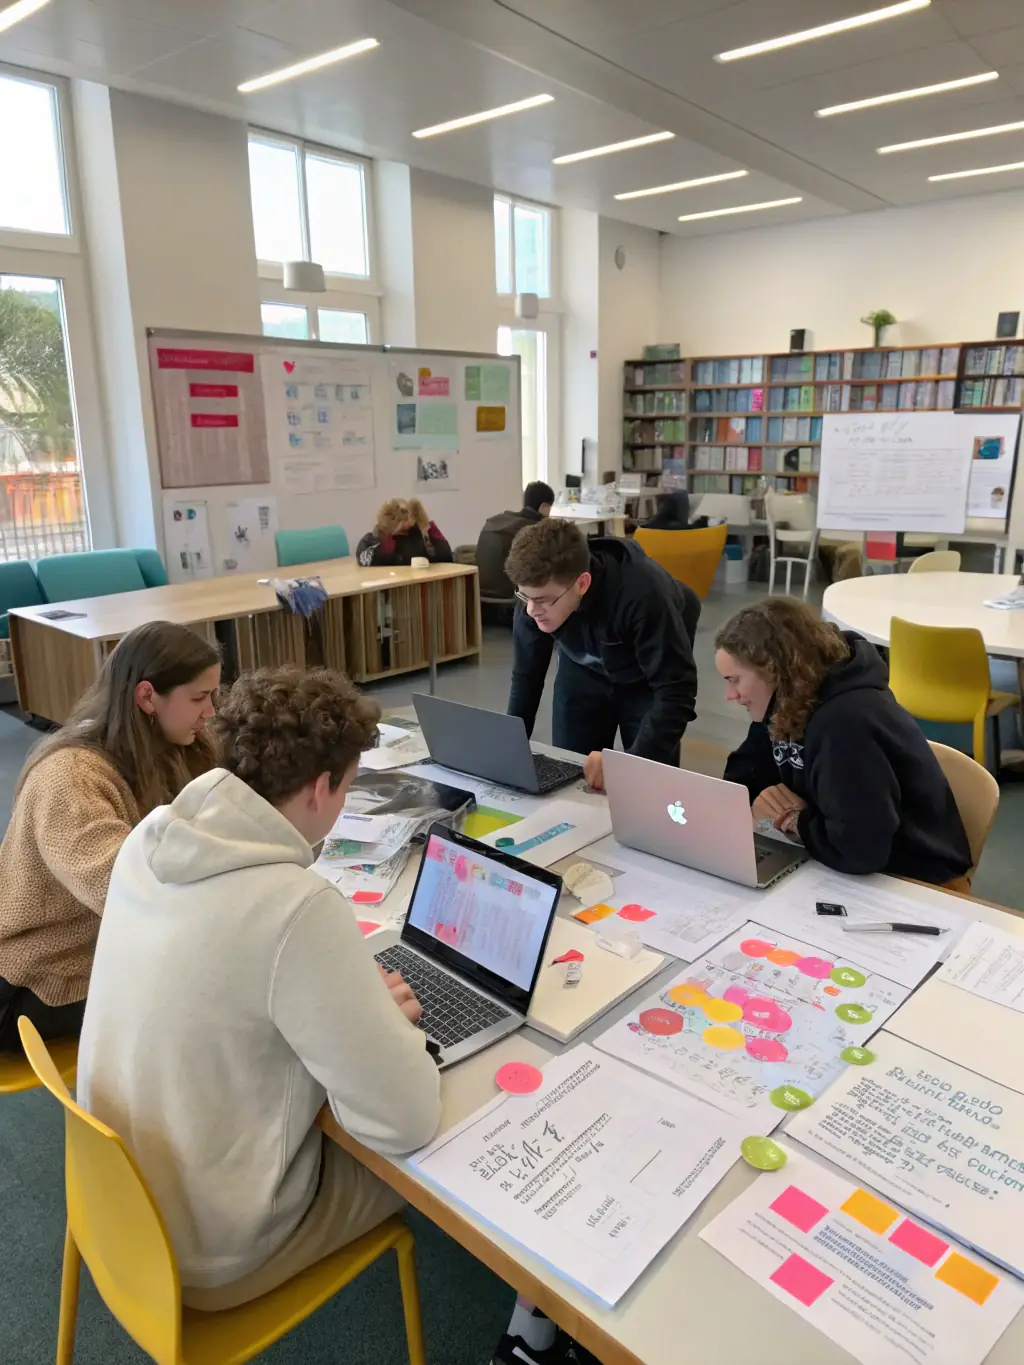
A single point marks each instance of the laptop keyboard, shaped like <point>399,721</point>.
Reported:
<point>451,1012</point>
<point>554,772</point>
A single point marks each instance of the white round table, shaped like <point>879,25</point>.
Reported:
<point>867,605</point>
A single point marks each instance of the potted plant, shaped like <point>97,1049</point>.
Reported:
<point>879,320</point>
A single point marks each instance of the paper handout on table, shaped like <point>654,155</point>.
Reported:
<point>948,1144</point>
<point>392,830</point>
<point>594,1172</point>
<point>906,958</point>
<point>877,1283</point>
<point>487,793</point>
<point>365,883</point>
<point>555,831</point>
<point>758,1026</point>
<point>988,962</point>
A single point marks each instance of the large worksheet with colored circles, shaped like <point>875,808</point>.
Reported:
<point>759,1026</point>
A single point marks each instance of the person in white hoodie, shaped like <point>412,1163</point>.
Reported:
<point>232,994</point>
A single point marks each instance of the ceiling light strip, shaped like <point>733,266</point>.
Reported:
<point>917,93</point>
<point>453,124</point>
<point>21,9</point>
<point>740,208</point>
<point>288,73</point>
<point>981,170</point>
<point>612,147</point>
<point>683,185</point>
<point>950,137</point>
<point>874,16</point>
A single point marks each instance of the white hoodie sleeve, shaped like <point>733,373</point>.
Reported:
<point>329,1002</point>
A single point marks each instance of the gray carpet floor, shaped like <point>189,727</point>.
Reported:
<point>465,1306</point>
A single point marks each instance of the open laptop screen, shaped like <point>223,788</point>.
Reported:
<point>483,913</point>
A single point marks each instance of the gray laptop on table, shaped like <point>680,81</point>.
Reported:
<point>698,821</point>
<point>489,745</point>
<point>472,946</point>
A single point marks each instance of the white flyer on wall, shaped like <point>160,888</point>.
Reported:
<point>993,441</point>
<point>251,525</point>
<point>189,550</point>
<point>319,421</point>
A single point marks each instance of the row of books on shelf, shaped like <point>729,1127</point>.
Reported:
<point>646,376</point>
<point>923,395</point>
<point>666,430</point>
<point>983,360</point>
<point>647,459</point>
<point>749,485</point>
<point>757,459</point>
<point>826,366</point>
<point>991,393</point>
<point>729,370</point>
<point>728,400</point>
<point>648,404</point>
<point>752,430</point>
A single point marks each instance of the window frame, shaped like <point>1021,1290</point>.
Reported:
<point>548,301</point>
<point>336,282</point>
<point>69,243</point>
<point>346,302</point>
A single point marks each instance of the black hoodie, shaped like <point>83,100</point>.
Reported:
<point>877,800</point>
<point>635,624</point>
<point>493,546</point>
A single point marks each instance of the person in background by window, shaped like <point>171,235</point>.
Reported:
<point>131,743</point>
<point>495,540</point>
<point>403,532</point>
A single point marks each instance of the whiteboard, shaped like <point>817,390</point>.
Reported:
<point>336,431</point>
<point>894,472</point>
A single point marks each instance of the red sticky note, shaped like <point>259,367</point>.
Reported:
<point>917,1242</point>
<point>801,1279</point>
<point>519,1078</point>
<point>367,926</point>
<point>573,955</point>
<point>368,897</point>
<point>798,1208</point>
<point>636,913</point>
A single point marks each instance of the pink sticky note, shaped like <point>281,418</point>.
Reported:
<point>801,1279</point>
<point>367,926</point>
<point>519,1078</point>
<point>368,897</point>
<point>636,913</point>
<point>798,1208</point>
<point>573,955</point>
<point>917,1242</point>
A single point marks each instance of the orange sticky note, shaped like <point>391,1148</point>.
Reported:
<point>967,1277</point>
<point>490,419</point>
<point>870,1212</point>
<point>595,913</point>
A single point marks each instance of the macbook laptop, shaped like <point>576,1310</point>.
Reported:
<point>473,941</point>
<point>688,818</point>
<point>489,745</point>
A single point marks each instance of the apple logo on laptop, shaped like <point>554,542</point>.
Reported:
<point>677,813</point>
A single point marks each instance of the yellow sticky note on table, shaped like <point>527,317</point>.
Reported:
<point>595,913</point>
<point>967,1277</point>
<point>870,1212</point>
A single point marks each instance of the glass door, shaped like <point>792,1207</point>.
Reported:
<point>42,506</point>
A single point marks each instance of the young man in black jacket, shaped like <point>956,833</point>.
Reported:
<point>495,540</point>
<point>624,630</point>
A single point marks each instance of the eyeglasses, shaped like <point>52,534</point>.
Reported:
<point>543,604</point>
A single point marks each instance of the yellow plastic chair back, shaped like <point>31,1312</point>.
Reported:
<point>16,1073</point>
<point>115,1226</point>
<point>976,793</point>
<point>936,561</point>
<point>691,557</point>
<point>940,673</point>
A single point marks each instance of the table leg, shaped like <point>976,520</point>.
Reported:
<point>432,591</point>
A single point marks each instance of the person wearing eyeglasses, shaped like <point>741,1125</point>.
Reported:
<point>623,628</point>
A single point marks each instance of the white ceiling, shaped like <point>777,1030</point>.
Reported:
<point>617,68</point>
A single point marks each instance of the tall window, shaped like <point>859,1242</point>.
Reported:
<point>522,248</point>
<point>33,190</point>
<point>531,348</point>
<point>309,323</point>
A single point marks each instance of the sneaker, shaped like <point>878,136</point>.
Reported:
<point>514,1351</point>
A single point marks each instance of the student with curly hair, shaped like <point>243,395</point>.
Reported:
<point>233,994</point>
<point>403,532</point>
<point>831,758</point>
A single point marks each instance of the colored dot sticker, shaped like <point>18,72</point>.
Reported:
<point>755,947</point>
<point>853,1014</point>
<point>722,1011</point>
<point>767,1049</point>
<point>519,1078</point>
<point>762,1153</point>
<point>724,1038</point>
<point>815,967</point>
<point>789,1097</point>
<point>857,1056</point>
<point>661,1022</point>
<point>783,957</point>
<point>739,995</point>
<point>848,976</point>
<point>688,994</point>
<point>505,842</point>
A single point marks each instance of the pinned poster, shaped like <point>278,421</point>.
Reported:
<point>189,550</point>
<point>435,474</point>
<point>488,383</point>
<point>433,381</point>
<point>251,525</point>
<point>492,421</point>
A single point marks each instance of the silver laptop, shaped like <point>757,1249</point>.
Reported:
<point>473,942</point>
<point>698,821</point>
<point>490,745</point>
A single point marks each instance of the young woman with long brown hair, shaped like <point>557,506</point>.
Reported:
<point>831,758</point>
<point>403,532</point>
<point>132,742</point>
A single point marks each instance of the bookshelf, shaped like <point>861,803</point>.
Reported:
<point>991,377</point>
<point>655,394</point>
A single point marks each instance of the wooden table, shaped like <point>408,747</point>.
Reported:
<point>690,1305</point>
<point>376,623</point>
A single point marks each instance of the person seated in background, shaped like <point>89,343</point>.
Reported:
<point>831,758</point>
<point>495,540</point>
<point>233,994</point>
<point>671,513</point>
<point>403,532</point>
<point>624,629</point>
<point>131,742</point>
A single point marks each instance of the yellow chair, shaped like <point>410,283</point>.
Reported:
<point>689,556</point>
<point>940,673</point>
<point>16,1074</point>
<point>115,1226</point>
<point>936,561</point>
<point>976,793</point>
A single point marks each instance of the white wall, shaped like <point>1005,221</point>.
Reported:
<point>944,269</point>
<point>629,317</point>
<point>453,263</point>
<point>578,242</point>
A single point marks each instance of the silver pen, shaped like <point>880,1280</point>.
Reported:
<point>880,926</point>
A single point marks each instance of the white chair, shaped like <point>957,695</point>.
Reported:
<point>936,561</point>
<point>791,526</point>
